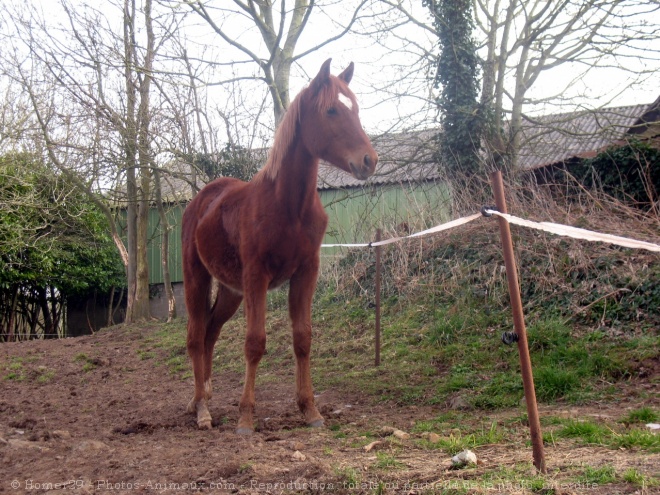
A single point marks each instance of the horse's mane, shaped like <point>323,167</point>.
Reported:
<point>286,131</point>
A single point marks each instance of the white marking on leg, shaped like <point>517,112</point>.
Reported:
<point>345,100</point>
<point>208,390</point>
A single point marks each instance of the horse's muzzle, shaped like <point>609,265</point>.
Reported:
<point>365,169</point>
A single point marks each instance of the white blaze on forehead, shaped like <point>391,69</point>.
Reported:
<point>345,100</point>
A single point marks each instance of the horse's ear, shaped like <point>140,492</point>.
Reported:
<point>322,77</point>
<point>347,75</point>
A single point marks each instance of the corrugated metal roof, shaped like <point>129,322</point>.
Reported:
<point>545,140</point>
<point>556,138</point>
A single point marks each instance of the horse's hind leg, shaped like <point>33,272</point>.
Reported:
<point>197,287</point>
<point>301,292</point>
<point>255,288</point>
<point>203,332</point>
<point>226,304</point>
<point>196,292</point>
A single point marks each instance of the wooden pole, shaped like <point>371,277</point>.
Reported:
<point>519,325</point>
<point>378,249</point>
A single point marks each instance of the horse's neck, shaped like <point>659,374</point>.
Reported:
<point>295,184</point>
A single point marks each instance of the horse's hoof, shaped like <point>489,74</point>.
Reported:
<point>204,424</point>
<point>192,406</point>
<point>242,430</point>
<point>318,423</point>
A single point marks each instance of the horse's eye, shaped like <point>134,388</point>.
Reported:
<point>332,111</point>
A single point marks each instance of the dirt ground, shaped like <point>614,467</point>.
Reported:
<point>120,426</point>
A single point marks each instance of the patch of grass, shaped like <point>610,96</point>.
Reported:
<point>45,375</point>
<point>587,431</point>
<point>19,372</point>
<point>177,361</point>
<point>552,383</point>
<point>598,476</point>
<point>16,364</point>
<point>89,364</point>
<point>87,367</point>
<point>80,357</point>
<point>449,419</point>
<point>634,477</point>
<point>145,354</point>
<point>635,438</point>
<point>387,461</point>
<point>502,390</point>
<point>425,362</point>
<point>458,441</point>
<point>549,438</point>
<point>515,479</point>
<point>348,476</point>
<point>171,338</point>
<point>15,369</point>
<point>590,432</point>
<point>14,376</point>
<point>641,415</point>
<point>545,420</point>
<point>445,308</point>
<point>491,436</point>
<point>336,429</point>
<point>545,336</point>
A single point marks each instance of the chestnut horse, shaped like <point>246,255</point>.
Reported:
<point>252,237</point>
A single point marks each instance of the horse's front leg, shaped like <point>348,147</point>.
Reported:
<point>255,288</point>
<point>301,292</point>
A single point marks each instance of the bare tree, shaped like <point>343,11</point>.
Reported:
<point>280,26</point>
<point>524,45</point>
<point>90,89</point>
<point>525,40</point>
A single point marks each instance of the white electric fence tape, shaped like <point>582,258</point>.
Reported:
<point>432,230</point>
<point>577,233</point>
<point>553,228</point>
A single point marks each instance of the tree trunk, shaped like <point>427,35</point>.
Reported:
<point>137,158</point>
<point>12,313</point>
<point>57,305</point>
<point>141,310</point>
<point>165,249</point>
<point>49,331</point>
<point>111,301</point>
<point>130,145</point>
<point>119,300</point>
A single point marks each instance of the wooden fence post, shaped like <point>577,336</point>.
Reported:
<point>377,289</point>
<point>519,325</point>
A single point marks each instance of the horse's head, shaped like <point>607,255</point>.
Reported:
<point>330,125</point>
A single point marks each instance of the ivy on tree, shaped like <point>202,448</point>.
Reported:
<point>457,74</point>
